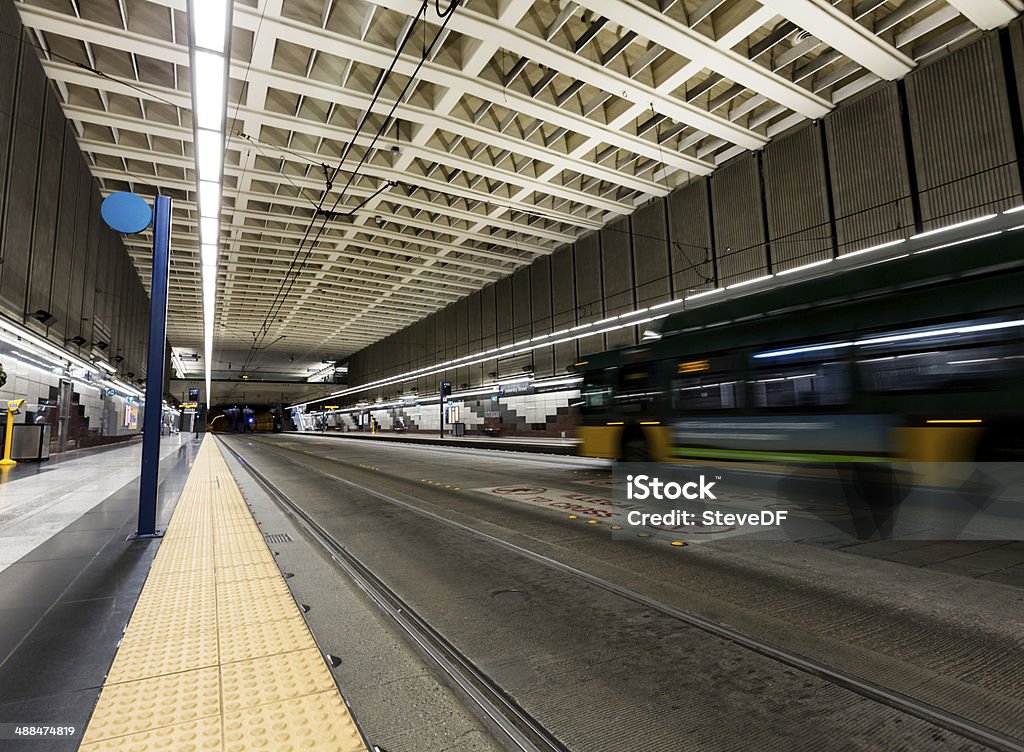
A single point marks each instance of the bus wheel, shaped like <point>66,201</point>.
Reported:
<point>635,449</point>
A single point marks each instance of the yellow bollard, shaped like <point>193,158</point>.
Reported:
<point>13,408</point>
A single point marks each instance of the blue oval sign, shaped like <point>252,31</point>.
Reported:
<point>126,212</point>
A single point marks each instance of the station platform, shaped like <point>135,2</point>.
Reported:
<point>69,580</point>
<point>538,444</point>
<point>216,655</point>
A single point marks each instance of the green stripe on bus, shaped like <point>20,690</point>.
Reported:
<point>744,454</point>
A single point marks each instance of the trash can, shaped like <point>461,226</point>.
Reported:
<point>30,441</point>
<point>458,429</point>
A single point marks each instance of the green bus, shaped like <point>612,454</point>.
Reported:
<point>918,358</point>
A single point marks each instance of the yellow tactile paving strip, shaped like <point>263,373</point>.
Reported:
<point>217,655</point>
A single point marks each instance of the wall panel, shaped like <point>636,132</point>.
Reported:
<point>79,305</point>
<point>9,59</point>
<point>1015,33</point>
<point>589,295</point>
<point>651,254</point>
<point>540,295</point>
<point>474,323</point>
<point>488,327</point>
<point>868,166</point>
<point>449,332</point>
<point>617,267</point>
<point>796,197</point>
<point>5,156</point>
<point>738,221</point>
<point>522,314</point>
<point>64,245</point>
<point>48,192</point>
<point>962,134</point>
<point>503,310</point>
<point>563,303</point>
<point>23,168</point>
<point>563,288</point>
<point>461,312</point>
<point>691,253</point>
<point>617,276</point>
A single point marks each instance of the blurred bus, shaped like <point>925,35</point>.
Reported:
<point>918,358</point>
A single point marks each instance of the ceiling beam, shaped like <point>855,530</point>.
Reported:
<point>673,35</point>
<point>988,14</point>
<point>838,30</point>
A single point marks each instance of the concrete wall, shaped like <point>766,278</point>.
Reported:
<point>95,417</point>
<point>58,255</point>
<point>941,146</point>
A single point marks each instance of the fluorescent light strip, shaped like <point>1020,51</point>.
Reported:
<point>878,247</point>
<point>805,266</point>
<point>209,230</point>
<point>209,153</point>
<point>746,282</point>
<point>666,304</point>
<point>208,96</point>
<point>209,199</point>
<point>18,337</point>
<point>957,242</point>
<point>886,260</point>
<point>705,293</point>
<point>1014,210</point>
<point>947,228</point>
<point>210,22</point>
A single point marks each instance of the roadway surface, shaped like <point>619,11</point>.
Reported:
<point>638,645</point>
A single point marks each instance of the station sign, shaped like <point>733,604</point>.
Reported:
<point>193,394</point>
<point>514,388</point>
<point>189,405</point>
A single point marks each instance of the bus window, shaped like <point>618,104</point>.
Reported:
<point>596,391</point>
<point>705,391</point>
<point>798,385</point>
<point>638,387</point>
<point>929,369</point>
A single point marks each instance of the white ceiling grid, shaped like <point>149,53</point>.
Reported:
<point>526,124</point>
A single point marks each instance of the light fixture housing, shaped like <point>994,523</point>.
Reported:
<point>209,58</point>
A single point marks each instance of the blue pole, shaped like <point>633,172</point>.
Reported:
<point>155,368</point>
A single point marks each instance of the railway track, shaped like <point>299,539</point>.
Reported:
<point>521,730</point>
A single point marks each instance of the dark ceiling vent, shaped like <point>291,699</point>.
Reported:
<point>800,36</point>
<point>101,345</point>
<point>79,340</point>
<point>118,358</point>
<point>130,375</point>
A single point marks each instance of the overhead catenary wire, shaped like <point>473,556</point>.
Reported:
<point>288,282</point>
<point>291,275</point>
